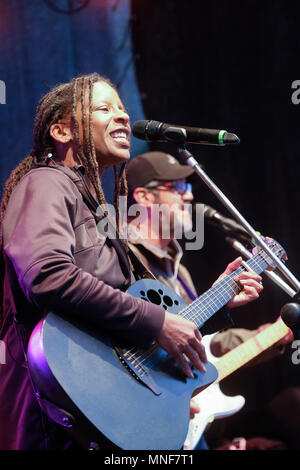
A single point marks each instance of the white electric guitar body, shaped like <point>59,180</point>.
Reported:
<point>213,404</point>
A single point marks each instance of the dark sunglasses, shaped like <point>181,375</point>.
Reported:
<point>180,186</point>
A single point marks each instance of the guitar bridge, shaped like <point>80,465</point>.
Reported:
<point>134,366</point>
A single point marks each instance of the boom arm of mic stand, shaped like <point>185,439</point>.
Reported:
<point>275,278</point>
<point>192,162</point>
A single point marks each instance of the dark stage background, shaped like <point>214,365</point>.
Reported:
<point>230,65</point>
<point>223,64</point>
<point>47,42</point>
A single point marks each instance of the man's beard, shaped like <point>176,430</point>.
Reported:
<point>175,221</point>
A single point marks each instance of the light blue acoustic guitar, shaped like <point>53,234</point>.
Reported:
<point>115,395</point>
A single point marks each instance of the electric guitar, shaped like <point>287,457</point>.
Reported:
<point>213,403</point>
<point>124,396</point>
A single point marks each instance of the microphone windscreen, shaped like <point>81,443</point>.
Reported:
<point>138,129</point>
<point>290,314</point>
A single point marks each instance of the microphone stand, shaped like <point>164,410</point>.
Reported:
<point>292,317</point>
<point>192,162</point>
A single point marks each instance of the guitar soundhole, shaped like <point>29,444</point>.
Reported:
<point>167,300</point>
<point>158,298</point>
<point>154,297</point>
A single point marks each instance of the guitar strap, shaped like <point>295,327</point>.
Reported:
<point>140,270</point>
<point>136,266</point>
<point>186,287</point>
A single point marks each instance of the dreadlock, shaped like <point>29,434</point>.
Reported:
<point>59,102</point>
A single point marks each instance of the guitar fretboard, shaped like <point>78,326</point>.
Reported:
<point>250,349</point>
<point>201,309</point>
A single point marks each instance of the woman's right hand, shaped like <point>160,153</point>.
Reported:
<point>182,340</point>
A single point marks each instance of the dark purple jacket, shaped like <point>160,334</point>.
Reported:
<point>56,259</point>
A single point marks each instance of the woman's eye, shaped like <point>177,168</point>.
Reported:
<point>101,108</point>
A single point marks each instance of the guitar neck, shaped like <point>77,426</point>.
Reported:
<point>250,349</point>
<point>201,309</point>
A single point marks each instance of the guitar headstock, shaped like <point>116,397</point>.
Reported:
<point>275,247</point>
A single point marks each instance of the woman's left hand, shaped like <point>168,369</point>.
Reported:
<point>249,280</point>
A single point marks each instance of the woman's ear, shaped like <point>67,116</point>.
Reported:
<point>61,132</point>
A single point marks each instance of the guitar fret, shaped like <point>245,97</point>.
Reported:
<point>201,309</point>
<point>212,300</point>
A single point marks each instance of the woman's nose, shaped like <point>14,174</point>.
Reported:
<point>122,116</point>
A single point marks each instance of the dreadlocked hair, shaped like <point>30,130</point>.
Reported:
<point>86,151</point>
<point>119,190</point>
<point>64,100</point>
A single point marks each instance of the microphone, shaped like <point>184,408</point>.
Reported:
<point>226,224</point>
<point>290,314</point>
<point>155,131</point>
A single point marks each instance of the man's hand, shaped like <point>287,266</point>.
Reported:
<point>194,409</point>
<point>182,339</point>
<point>249,280</point>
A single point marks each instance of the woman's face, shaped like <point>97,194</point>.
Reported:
<point>111,128</point>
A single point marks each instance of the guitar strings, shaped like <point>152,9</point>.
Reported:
<point>268,336</point>
<point>191,311</point>
<point>209,302</point>
<point>133,355</point>
<point>140,358</point>
<point>211,298</point>
<point>191,308</point>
